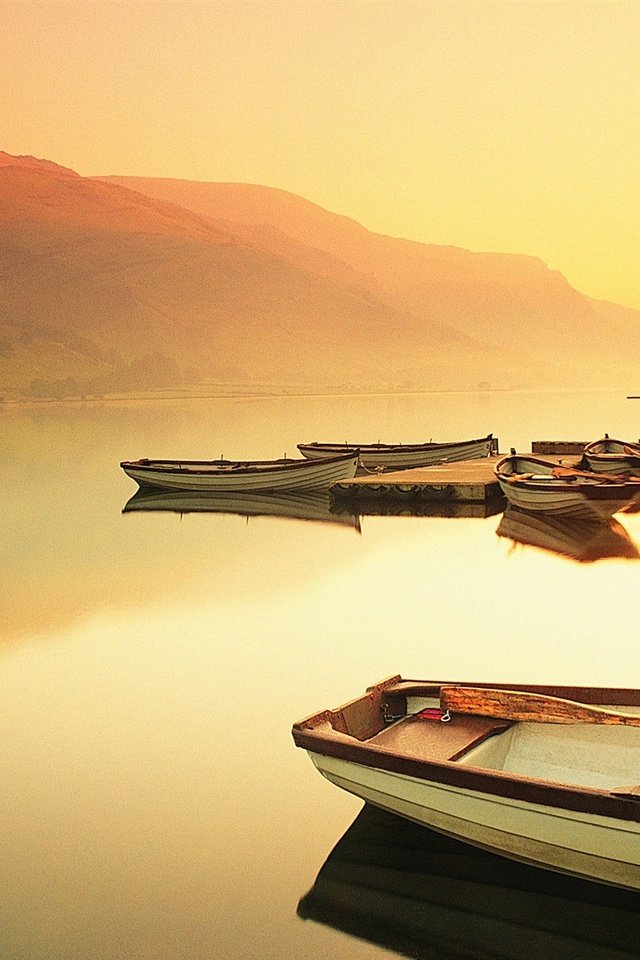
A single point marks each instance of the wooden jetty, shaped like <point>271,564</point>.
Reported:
<point>469,481</point>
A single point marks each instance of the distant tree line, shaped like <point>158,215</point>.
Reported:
<point>144,373</point>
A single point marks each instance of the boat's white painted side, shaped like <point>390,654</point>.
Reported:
<point>298,475</point>
<point>581,844</point>
<point>548,498</point>
<point>398,458</point>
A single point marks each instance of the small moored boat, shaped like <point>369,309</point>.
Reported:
<point>545,775</point>
<point>402,456</point>
<point>612,456</point>
<point>532,483</point>
<point>236,475</point>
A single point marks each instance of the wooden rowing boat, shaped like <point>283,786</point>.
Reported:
<point>532,483</point>
<point>400,456</point>
<point>612,456</point>
<point>585,539</point>
<point>420,894</point>
<point>248,475</point>
<point>546,775</point>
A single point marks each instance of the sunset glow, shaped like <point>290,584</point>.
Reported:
<point>495,126</point>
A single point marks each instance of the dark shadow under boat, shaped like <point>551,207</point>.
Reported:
<point>585,539</point>
<point>405,888</point>
<point>314,506</point>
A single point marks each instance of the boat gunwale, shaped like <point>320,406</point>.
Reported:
<point>393,447</point>
<point>629,453</point>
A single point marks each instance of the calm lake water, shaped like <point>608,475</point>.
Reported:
<point>153,804</point>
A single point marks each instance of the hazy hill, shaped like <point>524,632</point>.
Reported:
<point>513,302</point>
<point>111,288</point>
<point>121,283</point>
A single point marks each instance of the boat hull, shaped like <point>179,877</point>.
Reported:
<point>220,477</point>
<point>534,484</point>
<point>404,456</point>
<point>553,499</point>
<point>613,457</point>
<point>572,842</point>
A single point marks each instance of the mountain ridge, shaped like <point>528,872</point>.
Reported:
<point>119,283</point>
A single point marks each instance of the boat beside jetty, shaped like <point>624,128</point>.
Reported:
<point>532,483</point>
<point>400,456</point>
<point>612,456</point>
<point>242,475</point>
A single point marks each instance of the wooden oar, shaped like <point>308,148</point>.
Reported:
<point>520,705</point>
<point>570,472</point>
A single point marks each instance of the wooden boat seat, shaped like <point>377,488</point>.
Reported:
<point>423,739</point>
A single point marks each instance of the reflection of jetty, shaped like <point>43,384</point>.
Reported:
<point>424,895</point>
<point>390,506</point>
<point>581,538</point>
<point>312,505</point>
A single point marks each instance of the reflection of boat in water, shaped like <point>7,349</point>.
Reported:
<point>585,539</point>
<point>314,505</point>
<point>403,888</point>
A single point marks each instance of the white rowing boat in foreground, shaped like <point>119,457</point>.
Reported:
<point>545,775</point>
<point>248,475</point>
<point>401,456</point>
<point>532,483</point>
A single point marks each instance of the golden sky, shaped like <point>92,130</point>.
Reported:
<point>495,125</point>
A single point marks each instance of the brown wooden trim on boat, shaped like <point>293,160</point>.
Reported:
<point>393,447</point>
<point>619,805</point>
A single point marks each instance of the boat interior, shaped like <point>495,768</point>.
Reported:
<point>407,719</point>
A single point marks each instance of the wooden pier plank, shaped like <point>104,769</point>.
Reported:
<point>467,480</point>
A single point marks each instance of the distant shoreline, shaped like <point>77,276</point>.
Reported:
<point>236,392</point>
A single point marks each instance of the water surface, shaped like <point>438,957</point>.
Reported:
<point>152,663</point>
